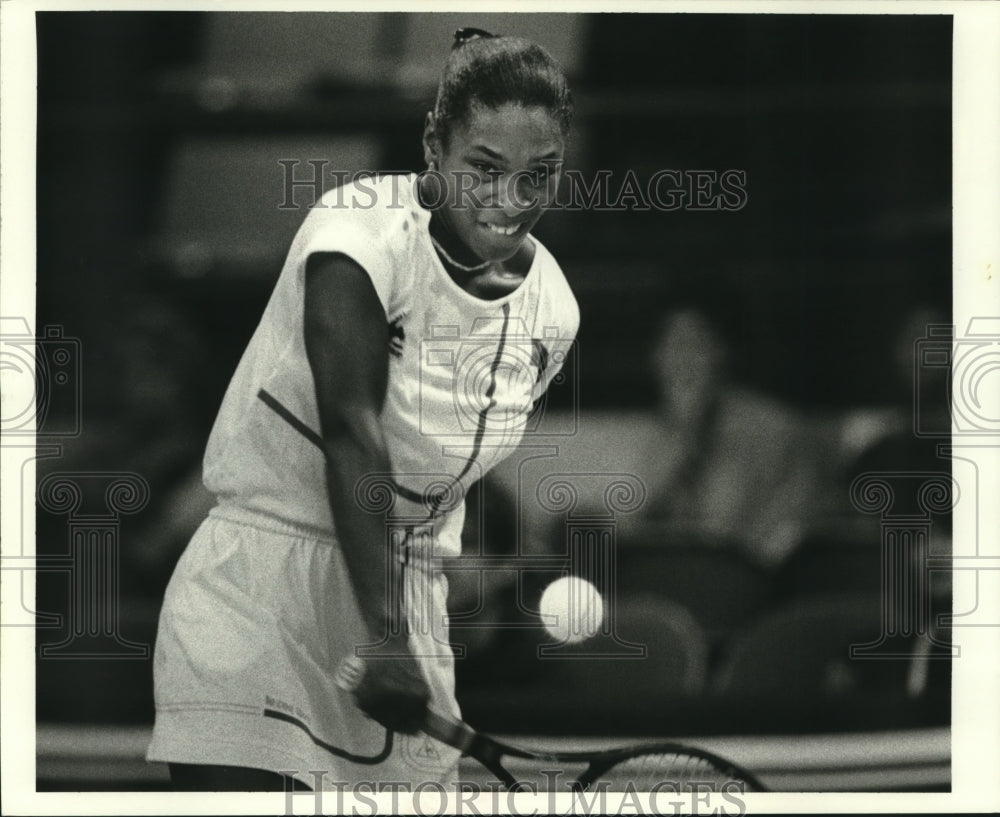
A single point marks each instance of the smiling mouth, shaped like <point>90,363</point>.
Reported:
<point>496,229</point>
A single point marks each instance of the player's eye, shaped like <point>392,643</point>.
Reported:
<point>541,175</point>
<point>486,168</point>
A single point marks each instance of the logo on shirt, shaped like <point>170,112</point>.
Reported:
<point>396,337</point>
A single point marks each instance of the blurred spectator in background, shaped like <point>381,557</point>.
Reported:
<point>883,439</point>
<point>882,436</point>
<point>729,464</point>
<point>868,426</point>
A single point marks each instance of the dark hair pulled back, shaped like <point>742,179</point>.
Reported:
<point>483,69</point>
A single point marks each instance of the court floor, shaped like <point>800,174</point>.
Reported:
<point>84,758</point>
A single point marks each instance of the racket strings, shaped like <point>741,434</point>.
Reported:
<point>667,771</point>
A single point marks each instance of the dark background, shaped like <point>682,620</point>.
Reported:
<point>160,234</point>
<point>842,125</point>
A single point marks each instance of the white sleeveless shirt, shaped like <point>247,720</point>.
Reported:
<point>464,373</point>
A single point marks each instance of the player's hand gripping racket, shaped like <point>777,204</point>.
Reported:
<point>653,766</point>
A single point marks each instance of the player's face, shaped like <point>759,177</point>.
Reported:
<point>501,167</point>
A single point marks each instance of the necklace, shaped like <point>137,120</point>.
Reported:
<point>454,263</point>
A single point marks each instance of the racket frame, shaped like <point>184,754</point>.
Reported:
<point>490,751</point>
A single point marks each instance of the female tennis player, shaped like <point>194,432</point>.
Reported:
<point>415,324</point>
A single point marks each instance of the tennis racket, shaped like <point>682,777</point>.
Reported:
<point>654,766</point>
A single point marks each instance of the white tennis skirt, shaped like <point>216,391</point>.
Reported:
<point>256,619</point>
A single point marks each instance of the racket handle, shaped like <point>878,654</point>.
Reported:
<point>445,728</point>
<point>449,730</point>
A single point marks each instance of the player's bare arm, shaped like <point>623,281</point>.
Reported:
<point>346,338</point>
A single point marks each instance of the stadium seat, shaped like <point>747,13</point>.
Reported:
<point>719,585</point>
<point>801,652</point>
<point>829,561</point>
<point>657,648</point>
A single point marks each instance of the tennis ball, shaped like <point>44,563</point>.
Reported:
<point>571,609</point>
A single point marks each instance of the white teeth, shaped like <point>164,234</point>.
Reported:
<point>502,230</point>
